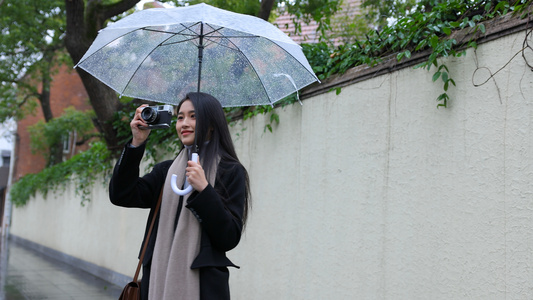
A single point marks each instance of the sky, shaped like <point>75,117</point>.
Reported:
<point>6,129</point>
<point>141,3</point>
<point>5,144</point>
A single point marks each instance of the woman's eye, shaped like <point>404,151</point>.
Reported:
<point>180,117</point>
<point>193,116</point>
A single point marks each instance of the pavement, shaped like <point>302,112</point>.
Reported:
<point>28,274</point>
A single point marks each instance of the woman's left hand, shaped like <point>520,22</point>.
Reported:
<point>196,176</point>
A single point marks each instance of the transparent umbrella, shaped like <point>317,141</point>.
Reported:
<point>161,54</point>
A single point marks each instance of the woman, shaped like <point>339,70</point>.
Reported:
<point>185,257</point>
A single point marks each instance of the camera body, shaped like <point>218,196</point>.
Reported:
<point>158,116</point>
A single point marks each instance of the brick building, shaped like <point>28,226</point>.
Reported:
<point>346,13</point>
<point>66,90</point>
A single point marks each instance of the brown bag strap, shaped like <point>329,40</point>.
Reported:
<point>148,237</point>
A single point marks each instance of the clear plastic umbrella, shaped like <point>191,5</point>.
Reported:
<point>161,54</point>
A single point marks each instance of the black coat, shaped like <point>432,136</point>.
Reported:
<point>219,210</point>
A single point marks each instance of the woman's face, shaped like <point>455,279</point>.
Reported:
<point>186,123</point>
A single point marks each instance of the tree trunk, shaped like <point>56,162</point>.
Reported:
<point>44,96</point>
<point>78,40</point>
<point>266,8</point>
<point>105,103</point>
<point>55,151</point>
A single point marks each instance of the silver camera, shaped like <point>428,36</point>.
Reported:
<point>158,116</point>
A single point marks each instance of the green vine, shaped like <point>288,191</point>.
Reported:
<point>45,135</point>
<point>419,31</point>
<point>234,113</point>
<point>80,169</point>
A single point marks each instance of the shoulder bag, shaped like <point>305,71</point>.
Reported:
<point>132,290</point>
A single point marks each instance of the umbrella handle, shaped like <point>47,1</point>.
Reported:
<point>188,187</point>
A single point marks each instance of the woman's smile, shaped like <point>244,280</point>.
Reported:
<point>186,123</point>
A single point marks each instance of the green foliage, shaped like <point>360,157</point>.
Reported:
<point>427,28</point>
<point>80,169</point>
<point>250,112</point>
<point>31,40</point>
<point>345,28</point>
<point>377,11</point>
<point>320,11</point>
<point>45,135</point>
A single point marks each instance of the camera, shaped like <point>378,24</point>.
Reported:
<point>158,116</point>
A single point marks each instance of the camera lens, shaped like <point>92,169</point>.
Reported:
<point>149,114</point>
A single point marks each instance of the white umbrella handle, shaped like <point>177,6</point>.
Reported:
<point>188,187</point>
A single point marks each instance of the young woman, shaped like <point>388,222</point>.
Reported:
<point>185,257</point>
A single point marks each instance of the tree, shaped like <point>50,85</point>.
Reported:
<point>38,35</point>
<point>85,18</point>
<point>302,10</point>
<point>377,12</point>
<point>30,48</point>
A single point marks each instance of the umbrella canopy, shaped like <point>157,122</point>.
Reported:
<point>161,54</point>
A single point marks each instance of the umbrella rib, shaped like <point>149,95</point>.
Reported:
<point>193,34</point>
<point>249,62</point>
<point>222,45</point>
<point>186,28</point>
<point>299,62</point>
<point>236,48</point>
<point>177,42</point>
<point>171,32</point>
<point>118,37</point>
<point>222,36</point>
<point>139,66</point>
<point>255,71</point>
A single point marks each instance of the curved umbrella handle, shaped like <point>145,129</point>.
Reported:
<point>188,187</point>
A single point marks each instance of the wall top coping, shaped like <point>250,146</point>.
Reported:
<point>495,28</point>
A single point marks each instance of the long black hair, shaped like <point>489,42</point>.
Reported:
<point>213,138</point>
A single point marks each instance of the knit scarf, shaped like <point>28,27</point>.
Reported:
<point>175,250</point>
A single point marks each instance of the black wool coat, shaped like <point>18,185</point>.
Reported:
<point>219,210</point>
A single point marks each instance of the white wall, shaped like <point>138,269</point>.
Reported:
<point>99,232</point>
<point>371,194</point>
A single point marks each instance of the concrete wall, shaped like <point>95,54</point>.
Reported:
<point>371,194</point>
<point>99,232</point>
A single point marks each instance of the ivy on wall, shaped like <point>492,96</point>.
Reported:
<point>82,169</point>
<point>419,31</point>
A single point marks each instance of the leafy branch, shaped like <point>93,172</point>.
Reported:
<point>431,30</point>
<point>80,169</point>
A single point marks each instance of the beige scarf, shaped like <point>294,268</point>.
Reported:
<point>171,275</point>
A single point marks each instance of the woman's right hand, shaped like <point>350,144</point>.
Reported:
<point>139,128</point>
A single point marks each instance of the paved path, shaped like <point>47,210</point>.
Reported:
<point>27,274</point>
